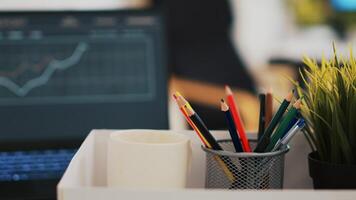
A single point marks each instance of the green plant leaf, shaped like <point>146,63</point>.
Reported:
<point>329,107</point>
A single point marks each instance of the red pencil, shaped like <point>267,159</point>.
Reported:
<point>237,119</point>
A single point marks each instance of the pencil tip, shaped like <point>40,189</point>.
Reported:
<point>181,101</point>
<point>228,90</point>
<point>174,96</point>
<point>189,110</point>
<point>224,107</point>
<point>290,96</point>
<point>298,103</point>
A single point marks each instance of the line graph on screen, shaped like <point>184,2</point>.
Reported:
<point>70,70</point>
<point>48,71</point>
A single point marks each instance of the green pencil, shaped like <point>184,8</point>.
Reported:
<point>283,126</point>
<point>262,119</point>
<point>265,139</point>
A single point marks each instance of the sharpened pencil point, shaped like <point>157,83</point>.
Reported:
<point>228,90</point>
<point>189,110</point>
<point>290,96</point>
<point>181,101</point>
<point>297,104</point>
<point>224,106</point>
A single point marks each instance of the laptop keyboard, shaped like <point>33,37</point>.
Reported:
<point>34,165</point>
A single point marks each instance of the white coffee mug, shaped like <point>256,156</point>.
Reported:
<point>148,159</point>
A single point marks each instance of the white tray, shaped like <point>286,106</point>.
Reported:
<point>85,177</point>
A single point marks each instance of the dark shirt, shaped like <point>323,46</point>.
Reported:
<point>199,43</point>
<point>200,48</point>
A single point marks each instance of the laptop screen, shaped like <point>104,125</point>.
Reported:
<point>63,74</point>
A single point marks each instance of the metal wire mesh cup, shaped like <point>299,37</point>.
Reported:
<point>229,170</point>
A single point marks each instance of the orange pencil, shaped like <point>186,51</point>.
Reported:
<point>237,119</point>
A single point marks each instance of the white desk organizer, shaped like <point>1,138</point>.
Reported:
<point>85,177</point>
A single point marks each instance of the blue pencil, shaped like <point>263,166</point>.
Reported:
<point>233,133</point>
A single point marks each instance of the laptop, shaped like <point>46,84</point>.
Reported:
<point>63,74</point>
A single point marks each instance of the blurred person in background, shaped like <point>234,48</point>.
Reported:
<point>202,59</point>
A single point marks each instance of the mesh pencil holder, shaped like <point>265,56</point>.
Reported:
<point>229,170</point>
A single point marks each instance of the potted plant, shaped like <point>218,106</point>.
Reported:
<point>329,107</point>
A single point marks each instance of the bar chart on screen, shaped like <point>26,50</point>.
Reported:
<point>91,68</point>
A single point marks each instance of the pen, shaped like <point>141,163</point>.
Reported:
<point>289,136</point>
<point>285,140</point>
<point>282,128</point>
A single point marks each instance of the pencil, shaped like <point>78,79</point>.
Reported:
<point>225,162</point>
<point>292,122</point>
<point>181,103</point>
<point>262,121</point>
<point>175,96</point>
<point>237,119</point>
<point>282,128</point>
<point>285,140</point>
<point>202,127</point>
<point>232,130</point>
<point>269,107</point>
<point>265,139</point>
